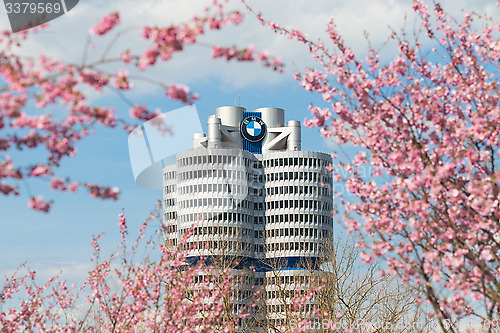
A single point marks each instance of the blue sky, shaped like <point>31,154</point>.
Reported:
<point>61,239</point>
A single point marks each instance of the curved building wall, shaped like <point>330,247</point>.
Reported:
<point>279,208</point>
<point>214,196</point>
<point>298,202</point>
<point>282,287</point>
<point>170,213</point>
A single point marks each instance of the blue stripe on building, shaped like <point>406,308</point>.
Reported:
<point>253,147</point>
<point>260,265</point>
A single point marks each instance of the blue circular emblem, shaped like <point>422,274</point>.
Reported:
<point>253,129</point>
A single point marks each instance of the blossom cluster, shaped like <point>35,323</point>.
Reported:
<point>429,130</point>
<point>247,54</point>
<point>166,294</point>
<point>106,24</point>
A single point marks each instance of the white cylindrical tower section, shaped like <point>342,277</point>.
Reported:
<point>213,193</point>
<point>198,139</point>
<point>298,206</point>
<point>273,117</point>
<point>213,130</point>
<point>294,139</point>
<point>232,116</point>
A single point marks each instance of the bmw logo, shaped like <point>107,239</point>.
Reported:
<point>253,129</point>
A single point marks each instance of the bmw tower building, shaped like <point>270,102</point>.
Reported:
<point>254,198</point>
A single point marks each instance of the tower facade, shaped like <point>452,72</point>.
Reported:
<point>251,196</point>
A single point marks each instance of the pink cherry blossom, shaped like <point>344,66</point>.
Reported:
<point>121,80</point>
<point>40,170</point>
<point>106,24</point>
<point>180,92</point>
<point>57,184</point>
<point>39,203</point>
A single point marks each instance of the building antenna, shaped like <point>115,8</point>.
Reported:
<point>239,100</point>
